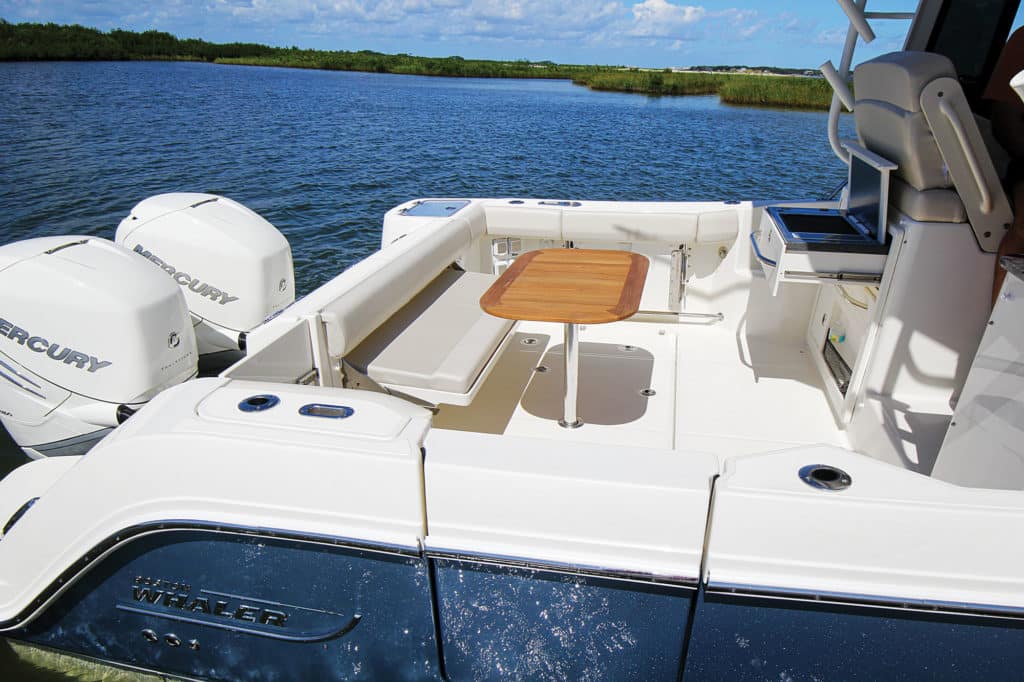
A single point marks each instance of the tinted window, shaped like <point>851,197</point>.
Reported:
<point>972,33</point>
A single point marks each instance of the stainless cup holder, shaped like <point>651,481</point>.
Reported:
<point>258,403</point>
<point>825,477</point>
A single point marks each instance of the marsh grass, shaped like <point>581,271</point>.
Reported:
<point>777,91</point>
<point>653,82</point>
<point>740,89</point>
<point>375,62</point>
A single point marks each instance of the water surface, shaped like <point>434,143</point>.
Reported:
<point>323,155</point>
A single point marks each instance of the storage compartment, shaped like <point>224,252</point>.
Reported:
<point>839,338</point>
<point>816,246</point>
<point>828,245</point>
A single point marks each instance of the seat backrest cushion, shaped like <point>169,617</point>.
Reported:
<point>360,299</point>
<point>888,114</point>
<point>440,340</point>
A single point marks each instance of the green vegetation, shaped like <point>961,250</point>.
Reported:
<point>653,82</point>
<point>732,88</point>
<point>406,64</point>
<point>37,42</point>
<point>777,91</point>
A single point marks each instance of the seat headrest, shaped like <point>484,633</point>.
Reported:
<point>899,77</point>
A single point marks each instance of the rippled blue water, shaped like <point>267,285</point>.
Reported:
<point>323,155</point>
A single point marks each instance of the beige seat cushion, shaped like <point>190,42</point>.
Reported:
<point>899,77</point>
<point>927,206</point>
<point>905,138</point>
<point>440,340</point>
<point>888,114</point>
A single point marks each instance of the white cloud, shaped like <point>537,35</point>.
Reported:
<point>831,37</point>
<point>521,20</point>
<point>749,31</point>
<point>660,18</point>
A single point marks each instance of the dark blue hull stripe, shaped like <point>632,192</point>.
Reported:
<point>568,569</point>
<point>868,601</point>
<point>77,569</point>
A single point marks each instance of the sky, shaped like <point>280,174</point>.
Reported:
<point>645,33</point>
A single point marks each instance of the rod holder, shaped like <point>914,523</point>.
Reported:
<point>838,84</point>
<point>857,20</point>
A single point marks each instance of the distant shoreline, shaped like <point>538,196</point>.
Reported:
<point>779,88</point>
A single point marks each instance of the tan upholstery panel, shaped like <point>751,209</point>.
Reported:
<point>926,206</point>
<point>899,77</point>
<point>515,220</point>
<point>440,340</point>
<point>911,109</point>
<point>905,138</point>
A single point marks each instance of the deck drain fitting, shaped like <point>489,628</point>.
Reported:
<point>258,403</point>
<point>529,341</point>
<point>541,368</point>
<point>647,392</point>
<point>825,477</point>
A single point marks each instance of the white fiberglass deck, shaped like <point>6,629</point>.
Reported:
<point>714,391</point>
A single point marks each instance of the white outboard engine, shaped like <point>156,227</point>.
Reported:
<point>234,267</point>
<point>88,333</point>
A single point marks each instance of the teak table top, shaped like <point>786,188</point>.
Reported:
<point>580,286</point>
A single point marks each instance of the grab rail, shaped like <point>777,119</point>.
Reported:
<point>760,256</point>
<point>972,160</point>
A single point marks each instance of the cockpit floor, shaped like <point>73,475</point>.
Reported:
<point>689,387</point>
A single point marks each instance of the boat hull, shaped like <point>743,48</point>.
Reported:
<point>241,605</point>
<point>506,622</point>
<point>752,637</point>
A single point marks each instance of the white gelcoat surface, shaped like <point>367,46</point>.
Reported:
<point>892,534</point>
<point>984,446</point>
<point>636,509</point>
<point>185,457</point>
